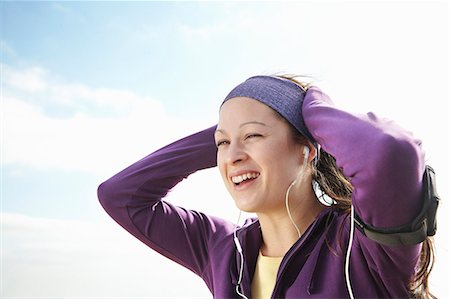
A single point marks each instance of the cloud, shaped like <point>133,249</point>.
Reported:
<point>51,124</point>
<point>28,80</point>
<point>50,258</point>
<point>37,87</point>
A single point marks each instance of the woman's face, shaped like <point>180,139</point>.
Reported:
<point>257,156</point>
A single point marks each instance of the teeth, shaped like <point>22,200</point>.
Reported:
<point>240,178</point>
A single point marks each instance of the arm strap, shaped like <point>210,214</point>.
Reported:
<point>412,233</point>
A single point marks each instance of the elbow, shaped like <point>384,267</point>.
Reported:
<point>111,197</point>
<point>395,148</point>
<point>401,153</point>
<point>106,192</point>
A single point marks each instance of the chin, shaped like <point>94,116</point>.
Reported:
<point>245,206</point>
<point>245,209</point>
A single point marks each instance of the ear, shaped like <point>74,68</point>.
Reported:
<point>309,152</point>
<point>306,152</point>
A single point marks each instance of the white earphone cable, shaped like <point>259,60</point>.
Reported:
<point>299,178</point>
<point>236,240</point>
<point>239,249</point>
<point>347,257</point>
<point>288,210</point>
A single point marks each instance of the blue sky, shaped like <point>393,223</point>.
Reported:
<point>90,87</point>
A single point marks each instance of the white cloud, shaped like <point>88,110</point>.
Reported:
<point>60,259</point>
<point>36,86</point>
<point>105,127</point>
<point>30,80</point>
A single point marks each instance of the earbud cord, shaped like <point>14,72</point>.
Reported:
<point>288,210</point>
<point>236,240</point>
<point>298,179</point>
<point>349,248</point>
<point>239,249</point>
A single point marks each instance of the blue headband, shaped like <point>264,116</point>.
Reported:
<point>282,95</point>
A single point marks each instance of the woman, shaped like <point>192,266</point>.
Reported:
<point>267,148</point>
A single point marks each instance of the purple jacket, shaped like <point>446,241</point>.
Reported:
<point>385,165</point>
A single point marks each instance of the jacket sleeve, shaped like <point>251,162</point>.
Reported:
<point>385,165</point>
<point>133,199</point>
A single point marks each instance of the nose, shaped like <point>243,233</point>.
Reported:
<point>236,153</point>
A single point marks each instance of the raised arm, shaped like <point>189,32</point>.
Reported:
<point>383,161</point>
<point>133,199</point>
<point>385,165</point>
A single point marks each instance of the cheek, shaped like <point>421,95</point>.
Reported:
<point>221,166</point>
<point>283,167</point>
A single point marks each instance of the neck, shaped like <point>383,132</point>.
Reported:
<point>278,231</point>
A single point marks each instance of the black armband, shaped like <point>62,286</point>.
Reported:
<point>419,229</point>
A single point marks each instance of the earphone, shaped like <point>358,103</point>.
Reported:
<point>352,231</point>
<point>352,228</point>
<point>236,240</point>
<point>305,154</point>
<point>300,175</point>
<point>350,241</point>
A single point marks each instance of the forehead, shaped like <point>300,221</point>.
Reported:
<point>243,108</point>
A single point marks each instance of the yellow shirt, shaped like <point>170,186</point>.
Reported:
<point>265,276</point>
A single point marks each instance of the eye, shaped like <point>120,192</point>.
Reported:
<point>222,142</point>
<point>253,135</point>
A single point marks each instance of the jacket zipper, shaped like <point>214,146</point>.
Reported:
<point>295,248</point>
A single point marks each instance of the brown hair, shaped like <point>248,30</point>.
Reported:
<point>333,183</point>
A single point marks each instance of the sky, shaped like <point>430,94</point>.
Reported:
<point>87,88</point>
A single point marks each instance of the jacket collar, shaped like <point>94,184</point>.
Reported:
<point>250,238</point>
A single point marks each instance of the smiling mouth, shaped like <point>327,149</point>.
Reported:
<point>246,177</point>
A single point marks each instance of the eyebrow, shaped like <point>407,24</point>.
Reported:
<point>244,124</point>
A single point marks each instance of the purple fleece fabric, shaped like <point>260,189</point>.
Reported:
<point>383,161</point>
